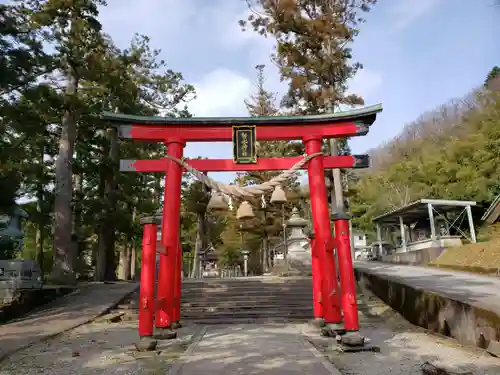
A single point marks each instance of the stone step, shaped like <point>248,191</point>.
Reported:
<point>256,299</point>
<point>284,303</point>
<point>255,314</point>
<point>243,303</point>
<point>250,308</point>
<point>297,292</point>
<point>248,290</point>
<point>249,280</point>
<point>210,318</point>
<point>268,311</point>
<point>250,300</point>
<point>252,285</point>
<point>240,320</point>
<point>240,305</point>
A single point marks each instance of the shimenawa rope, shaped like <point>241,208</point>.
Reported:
<point>245,192</point>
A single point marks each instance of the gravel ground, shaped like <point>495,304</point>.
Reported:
<point>404,348</point>
<point>102,348</point>
<point>107,348</point>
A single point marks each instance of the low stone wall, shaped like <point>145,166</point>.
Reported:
<point>466,323</point>
<point>414,258</point>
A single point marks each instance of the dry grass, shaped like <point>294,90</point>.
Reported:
<point>482,257</point>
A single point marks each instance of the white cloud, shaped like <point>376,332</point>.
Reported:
<point>221,93</point>
<point>365,82</point>
<point>406,12</point>
<point>155,18</point>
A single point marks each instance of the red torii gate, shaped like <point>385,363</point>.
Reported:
<point>175,132</point>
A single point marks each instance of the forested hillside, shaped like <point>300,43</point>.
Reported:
<point>449,153</point>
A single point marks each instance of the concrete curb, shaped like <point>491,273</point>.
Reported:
<point>177,365</point>
<point>467,322</point>
<point>319,356</point>
<point>44,338</point>
<point>483,271</point>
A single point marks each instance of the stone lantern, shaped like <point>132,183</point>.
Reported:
<point>299,250</point>
<point>245,254</point>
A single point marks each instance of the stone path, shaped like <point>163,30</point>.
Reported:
<point>102,347</point>
<point>476,290</point>
<point>65,313</point>
<point>252,350</point>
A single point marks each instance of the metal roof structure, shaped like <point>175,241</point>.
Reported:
<point>419,209</point>
<point>493,212</point>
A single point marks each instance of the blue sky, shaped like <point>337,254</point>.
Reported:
<point>417,55</point>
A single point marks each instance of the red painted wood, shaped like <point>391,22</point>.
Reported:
<point>155,133</point>
<point>147,288</point>
<point>227,165</point>
<point>316,281</point>
<point>347,280</point>
<point>330,297</point>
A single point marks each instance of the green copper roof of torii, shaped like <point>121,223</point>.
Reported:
<point>366,115</point>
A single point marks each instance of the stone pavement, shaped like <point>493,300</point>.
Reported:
<point>476,290</point>
<point>252,350</point>
<point>61,315</point>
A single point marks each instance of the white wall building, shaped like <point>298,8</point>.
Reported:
<point>359,240</point>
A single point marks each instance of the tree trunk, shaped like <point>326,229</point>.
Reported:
<point>111,196</point>
<point>337,193</point>
<point>265,253</point>
<point>106,247</point>
<point>76,223</point>
<point>40,208</point>
<point>133,261</point>
<point>133,245</point>
<point>63,271</point>
<point>125,270</point>
<point>40,230</point>
<point>127,261</point>
<point>100,261</point>
<point>199,245</point>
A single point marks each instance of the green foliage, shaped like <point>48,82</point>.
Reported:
<point>313,48</point>
<point>492,75</point>
<point>50,103</point>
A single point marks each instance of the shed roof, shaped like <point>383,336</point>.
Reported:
<point>493,212</point>
<point>418,210</point>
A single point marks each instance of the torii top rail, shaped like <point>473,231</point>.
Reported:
<point>219,129</point>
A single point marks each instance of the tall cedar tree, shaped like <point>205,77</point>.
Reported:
<point>22,61</point>
<point>313,51</point>
<point>313,47</point>
<point>72,28</point>
<point>262,103</point>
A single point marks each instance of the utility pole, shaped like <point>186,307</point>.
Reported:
<point>337,193</point>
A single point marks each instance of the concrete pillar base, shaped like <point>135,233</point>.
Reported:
<point>352,338</point>
<point>332,330</point>
<point>317,322</point>
<point>165,334</point>
<point>146,344</point>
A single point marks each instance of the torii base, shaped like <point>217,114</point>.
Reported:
<point>176,325</point>
<point>165,334</point>
<point>351,338</point>
<point>332,330</point>
<point>146,344</point>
